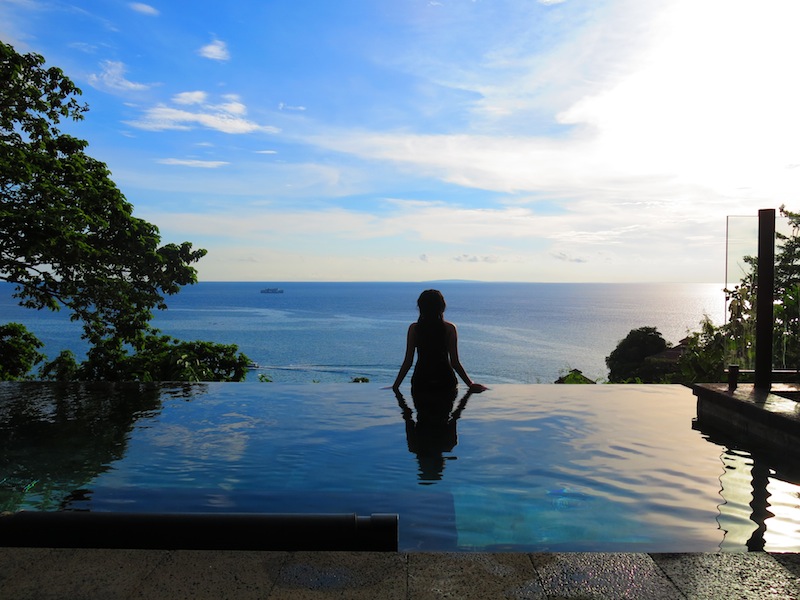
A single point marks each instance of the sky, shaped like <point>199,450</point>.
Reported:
<point>417,140</point>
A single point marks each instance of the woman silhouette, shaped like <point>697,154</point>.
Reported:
<point>436,344</point>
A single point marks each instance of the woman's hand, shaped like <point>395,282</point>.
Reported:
<point>477,388</point>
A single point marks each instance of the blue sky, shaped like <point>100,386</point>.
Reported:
<point>410,140</point>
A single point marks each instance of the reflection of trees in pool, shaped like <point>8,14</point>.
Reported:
<point>55,437</point>
<point>434,432</point>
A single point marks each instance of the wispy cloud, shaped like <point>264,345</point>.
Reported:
<point>84,47</point>
<point>190,98</point>
<point>226,117</point>
<point>112,78</point>
<point>598,236</point>
<point>216,50</point>
<point>200,164</point>
<point>144,9</point>
<point>300,224</point>
<point>567,257</point>
<point>471,258</point>
<point>282,106</point>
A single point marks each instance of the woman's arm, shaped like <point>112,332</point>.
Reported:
<point>452,349</point>
<point>411,345</point>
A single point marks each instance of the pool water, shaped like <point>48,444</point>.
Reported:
<point>519,467</point>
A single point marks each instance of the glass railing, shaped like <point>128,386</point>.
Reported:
<point>741,287</point>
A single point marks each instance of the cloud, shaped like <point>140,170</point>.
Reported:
<point>300,224</point>
<point>84,47</point>
<point>232,105</point>
<point>662,112</point>
<point>282,106</point>
<point>509,242</point>
<point>144,9</point>
<point>471,258</point>
<point>113,78</point>
<point>216,50</point>
<point>266,151</point>
<point>499,163</point>
<point>226,117</point>
<point>200,164</point>
<point>190,98</point>
<point>616,235</point>
<point>567,258</point>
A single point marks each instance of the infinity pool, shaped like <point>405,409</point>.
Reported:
<point>520,467</point>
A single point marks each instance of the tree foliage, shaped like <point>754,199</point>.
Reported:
<point>19,352</point>
<point>68,237</point>
<point>629,360</point>
<point>786,338</point>
<point>703,359</point>
<point>163,358</point>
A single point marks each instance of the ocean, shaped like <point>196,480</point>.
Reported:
<point>333,332</point>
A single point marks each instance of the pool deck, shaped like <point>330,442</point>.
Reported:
<point>754,418</point>
<point>153,574</point>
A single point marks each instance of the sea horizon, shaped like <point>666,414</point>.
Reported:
<point>509,332</point>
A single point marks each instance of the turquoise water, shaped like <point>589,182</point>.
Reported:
<point>333,332</point>
<point>520,467</point>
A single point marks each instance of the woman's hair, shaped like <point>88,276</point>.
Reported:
<point>431,305</point>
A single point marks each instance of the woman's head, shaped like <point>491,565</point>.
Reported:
<point>431,304</point>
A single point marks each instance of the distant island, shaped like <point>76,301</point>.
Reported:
<point>452,281</point>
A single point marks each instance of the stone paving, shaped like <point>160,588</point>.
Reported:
<point>42,573</point>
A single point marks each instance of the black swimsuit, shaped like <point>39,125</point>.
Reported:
<point>432,372</point>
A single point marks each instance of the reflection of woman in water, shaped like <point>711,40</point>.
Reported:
<point>436,344</point>
<point>434,431</point>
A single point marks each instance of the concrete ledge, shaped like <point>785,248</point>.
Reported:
<point>751,416</point>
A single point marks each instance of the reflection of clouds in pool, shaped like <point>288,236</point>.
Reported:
<point>225,439</point>
<point>567,498</point>
<point>221,501</point>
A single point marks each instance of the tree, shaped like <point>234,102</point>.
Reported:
<point>703,360</point>
<point>19,351</point>
<point>628,362</point>
<point>68,237</point>
<point>786,350</point>
<point>574,377</point>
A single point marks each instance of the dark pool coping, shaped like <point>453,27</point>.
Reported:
<point>200,531</point>
<point>754,417</point>
<point>153,574</point>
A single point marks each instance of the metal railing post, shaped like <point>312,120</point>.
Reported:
<point>765,283</point>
